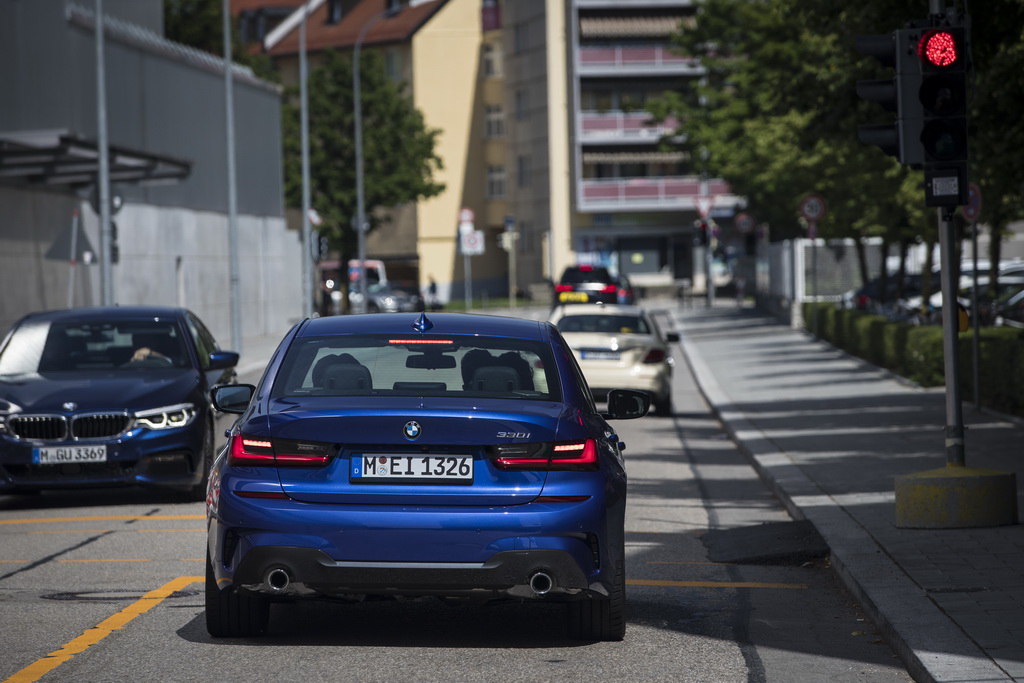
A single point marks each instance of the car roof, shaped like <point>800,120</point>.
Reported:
<point>439,324</point>
<point>106,314</point>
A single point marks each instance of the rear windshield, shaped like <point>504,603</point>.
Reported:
<point>576,275</point>
<point>611,324</point>
<point>407,365</point>
<point>41,347</point>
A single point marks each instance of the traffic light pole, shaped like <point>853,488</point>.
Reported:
<point>950,337</point>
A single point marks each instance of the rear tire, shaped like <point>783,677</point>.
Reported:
<point>663,406</point>
<point>601,617</point>
<point>230,614</point>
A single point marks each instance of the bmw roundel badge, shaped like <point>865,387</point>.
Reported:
<point>412,429</point>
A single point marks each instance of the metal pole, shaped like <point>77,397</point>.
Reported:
<point>106,269</point>
<point>950,335</point>
<point>975,322</point>
<point>357,103</point>
<point>229,111</point>
<point>73,258</point>
<point>307,249</point>
<point>467,267</point>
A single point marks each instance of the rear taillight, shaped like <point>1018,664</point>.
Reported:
<point>609,289</point>
<point>655,356</point>
<point>575,455</point>
<point>248,451</point>
<point>563,288</point>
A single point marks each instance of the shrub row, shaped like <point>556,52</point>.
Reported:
<point>916,352</point>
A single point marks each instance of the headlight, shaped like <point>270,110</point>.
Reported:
<point>170,417</point>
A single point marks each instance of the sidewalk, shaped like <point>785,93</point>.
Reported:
<point>829,433</point>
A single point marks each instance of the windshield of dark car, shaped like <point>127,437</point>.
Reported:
<point>408,365</point>
<point>604,323</point>
<point>41,347</point>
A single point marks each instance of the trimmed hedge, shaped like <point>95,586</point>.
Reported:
<point>915,352</point>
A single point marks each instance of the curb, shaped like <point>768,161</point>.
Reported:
<point>931,646</point>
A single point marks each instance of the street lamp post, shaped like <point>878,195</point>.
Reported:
<point>307,248</point>
<point>360,200</point>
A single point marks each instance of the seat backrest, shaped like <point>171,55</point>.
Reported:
<point>495,379</point>
<point>348,377</point>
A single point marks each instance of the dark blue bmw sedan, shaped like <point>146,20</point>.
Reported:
<point>109,396</point>
<point>419,455</point>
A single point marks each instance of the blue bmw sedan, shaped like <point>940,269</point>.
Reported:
<point>444,455</point>
<point>109,396</point>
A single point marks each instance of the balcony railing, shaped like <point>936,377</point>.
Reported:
<point>675,193</point>
<point>618,125</point>
<point>631,57</point>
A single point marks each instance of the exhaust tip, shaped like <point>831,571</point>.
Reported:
<point>541,583</point>
<point>278,580</point>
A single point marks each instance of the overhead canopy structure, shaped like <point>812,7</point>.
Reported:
<point>58,157</point>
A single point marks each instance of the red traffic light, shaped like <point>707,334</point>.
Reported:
<point>939,48</point>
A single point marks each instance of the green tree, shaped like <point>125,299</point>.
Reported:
<point>399,158</point>
<point>777,115</point>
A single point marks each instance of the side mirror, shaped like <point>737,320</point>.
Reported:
<point>221,360</point>
<point>232,398</point>
<point>627,404</point>
<point>672,337</point>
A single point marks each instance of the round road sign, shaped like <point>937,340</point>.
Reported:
<point>813,208</point>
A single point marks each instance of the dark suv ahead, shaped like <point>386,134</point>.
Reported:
<point>586,284</point>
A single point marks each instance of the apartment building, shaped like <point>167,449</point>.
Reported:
<point>545,137</point>
<point>591,184</point>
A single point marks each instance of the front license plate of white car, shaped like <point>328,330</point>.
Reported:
<point>599,355</point>
<point>453,469</point>
<point>59,455</point>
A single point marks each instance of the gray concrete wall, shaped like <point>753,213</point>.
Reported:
<point>169,257</point>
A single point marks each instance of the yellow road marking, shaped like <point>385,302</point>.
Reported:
<point>72,531</point>
<point>712,584</point>
<point>120,560</point>
<point>95,518</point>
<point>41,667</point>
<point>13,561</point>
<point>164,531</point>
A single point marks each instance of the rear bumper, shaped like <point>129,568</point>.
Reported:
<point>309,571</point>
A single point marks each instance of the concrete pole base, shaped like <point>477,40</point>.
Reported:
<point>954,497</point>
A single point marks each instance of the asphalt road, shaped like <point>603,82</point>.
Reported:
<point>107,586</point>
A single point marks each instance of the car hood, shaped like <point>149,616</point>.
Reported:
<point>96,391</point>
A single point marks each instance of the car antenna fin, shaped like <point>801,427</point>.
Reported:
<point>422,324</point>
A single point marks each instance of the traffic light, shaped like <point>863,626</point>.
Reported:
<point>898,95</point>
<point>943,57</point>
<point>700,237</point>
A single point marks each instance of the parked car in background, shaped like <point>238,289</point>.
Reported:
<point>619,346</point>
<point>625,293</point>
<point>389,297</point>
<point>431,454</point>
<point>109,396</point>
<point>586,284</point>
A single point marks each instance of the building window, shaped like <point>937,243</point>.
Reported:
<point>491,61</point>
<point>494,121</point>
<point>521,105</point>
<point>334,11</point>
<point>519,38</point>
<point>523,171</point>
<point>496,182</point>
<point>393,65</point>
